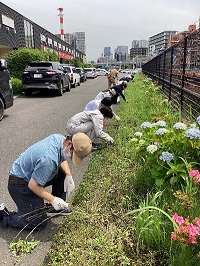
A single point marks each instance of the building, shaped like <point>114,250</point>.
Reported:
<point>159,42</point>
<point>138,51</point>
<point>139,44</point>
<point>107,51</point>
<point>180,35</point>
<point>17,31</point>
<point>121,53</point>
<point>80,41</point>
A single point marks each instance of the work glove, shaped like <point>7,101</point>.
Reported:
<point>69,185</point>
<point>117,117</point>
<point>111,140</point>
<point>59,204</point>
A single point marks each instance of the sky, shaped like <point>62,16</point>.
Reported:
<point>110,23</point>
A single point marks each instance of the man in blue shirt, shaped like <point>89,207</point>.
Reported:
<point>41,165</point>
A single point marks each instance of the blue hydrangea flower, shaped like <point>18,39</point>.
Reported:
<point>193,133</point>
<point>152,148</point>
<point>138,134</point>
<point>146,125</point>
<point>198,119</point>
<point>180,125</point>
<point>166,156</point>
<point>160,123</point>
<point>161,131</point>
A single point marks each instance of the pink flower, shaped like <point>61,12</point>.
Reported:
<point>178,219</point>
<point>197,221</point>
<point>174,236</point>
<point>194,173</point>
<point>192,239</point>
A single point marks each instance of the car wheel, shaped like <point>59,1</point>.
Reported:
<point>28,93</point>
<point>60,90</point>
<point>1,109</point>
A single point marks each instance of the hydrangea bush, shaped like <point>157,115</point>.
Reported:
<point>168,150</point>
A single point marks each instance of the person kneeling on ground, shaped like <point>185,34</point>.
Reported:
<point>41,165</point>
<point>119,92</point>
<point>90,122</point>
<point>105,93</point>
<point>97,104</point>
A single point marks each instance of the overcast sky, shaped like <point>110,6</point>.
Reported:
<point>110,22</point>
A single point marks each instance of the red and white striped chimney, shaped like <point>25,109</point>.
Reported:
<point>61,15</point>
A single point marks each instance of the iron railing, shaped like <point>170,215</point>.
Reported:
<point>177,70</point>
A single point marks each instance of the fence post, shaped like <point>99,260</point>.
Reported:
<point>183,72</point>
<point>170,77</point>
<point>163,77</point>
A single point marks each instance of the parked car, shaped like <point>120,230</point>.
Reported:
<point>101,72</point>
<point>6,92</point>
<point>73,75</point>
<point>41,76</point>
<point>90,72</point>
<point>82,74</point>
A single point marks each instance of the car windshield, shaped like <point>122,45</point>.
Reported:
<point>88,70</point>
<point>67,69</point>
<point>40,65</point>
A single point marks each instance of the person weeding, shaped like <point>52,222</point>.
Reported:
<point>41,165</point>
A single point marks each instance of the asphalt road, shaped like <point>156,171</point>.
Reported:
<point>28,121</point>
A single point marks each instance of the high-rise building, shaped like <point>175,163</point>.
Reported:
<point>121,53</point>
<point>139,44</point>
<point>107,51</point>
<point>80,41</point>
<point>159,42</point>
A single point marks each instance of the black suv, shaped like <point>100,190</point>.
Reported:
<point>82,74</point>
<point>40,76</point>
<point>6,92</point>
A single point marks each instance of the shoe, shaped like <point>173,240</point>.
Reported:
<point>3,211</point>
<point>63,212</point>
<point>95,146</point>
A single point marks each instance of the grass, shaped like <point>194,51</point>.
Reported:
<point>99,232</point>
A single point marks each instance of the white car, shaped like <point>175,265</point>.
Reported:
<point>90,72</point>
<point>101,72</point>
<point>73,75</point>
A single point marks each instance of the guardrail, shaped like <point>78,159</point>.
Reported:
<point>177,70</point>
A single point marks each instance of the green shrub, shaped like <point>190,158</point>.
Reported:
<point>17,86</point>
<point>18,59</point>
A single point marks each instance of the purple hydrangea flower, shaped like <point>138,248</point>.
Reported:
<point>166,156</point>
<point>198,119</point>
<point>193,133</point>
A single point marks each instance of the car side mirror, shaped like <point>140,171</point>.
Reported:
<point>3,64</point>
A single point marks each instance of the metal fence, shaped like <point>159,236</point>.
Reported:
<point>177,70</point>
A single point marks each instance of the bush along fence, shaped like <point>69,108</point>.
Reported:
<point>168,155</point>
<point>177,70</point>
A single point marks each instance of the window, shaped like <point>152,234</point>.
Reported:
<point>28,29</point>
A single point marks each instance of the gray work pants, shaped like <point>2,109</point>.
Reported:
<point>87,128</point>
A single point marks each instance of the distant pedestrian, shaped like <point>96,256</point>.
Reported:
<point>119,92</point>
<point>91,123</point>
<point>43,164</point>
<point>113,77</point>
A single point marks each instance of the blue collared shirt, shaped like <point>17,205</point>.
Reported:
<point>41,161</point>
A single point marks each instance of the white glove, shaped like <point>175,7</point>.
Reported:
<point>117,117</point>
<point>110,140</point>
<point>69,185</point>
<point>59,204</point>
